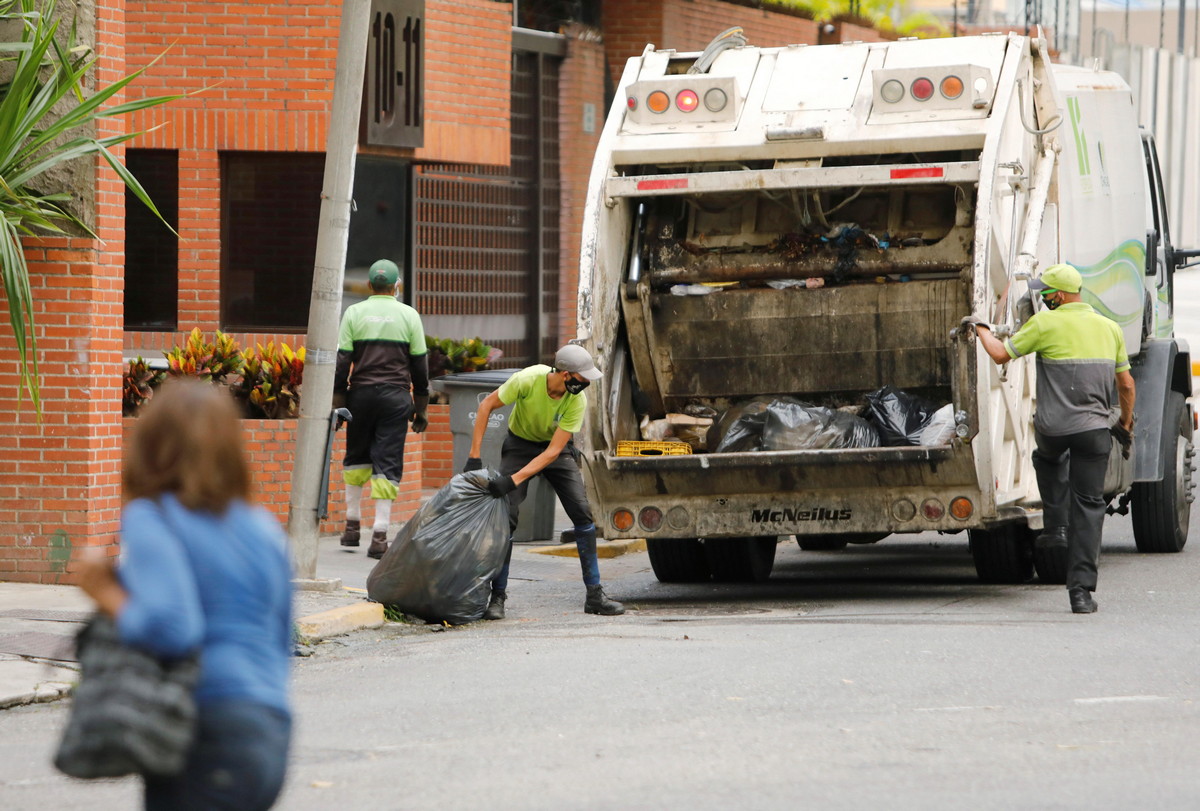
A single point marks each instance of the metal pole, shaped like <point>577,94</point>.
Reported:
<point>1182,29</point>
<point>325,308</point>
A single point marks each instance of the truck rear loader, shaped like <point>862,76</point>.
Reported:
<point>810,224</point>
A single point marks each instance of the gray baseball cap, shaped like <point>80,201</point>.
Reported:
<point>574,358</point>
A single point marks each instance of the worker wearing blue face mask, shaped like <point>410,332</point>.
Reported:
<point>548,408</point>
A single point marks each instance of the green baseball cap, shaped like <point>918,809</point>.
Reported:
<point>1058,277</point>
<point>384,272</point>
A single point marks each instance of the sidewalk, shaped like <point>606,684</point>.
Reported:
<point>38,623</point>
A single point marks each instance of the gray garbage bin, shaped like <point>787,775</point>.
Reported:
<point>465,391</point>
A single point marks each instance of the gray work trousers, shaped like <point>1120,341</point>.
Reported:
<point>1070,473</point>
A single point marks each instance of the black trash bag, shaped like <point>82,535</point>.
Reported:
<point>442,562</point>
<point>740,427</point>
<point>905,419</point>
<point>795,426</point>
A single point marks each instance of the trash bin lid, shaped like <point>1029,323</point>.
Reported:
<point>486,379</point>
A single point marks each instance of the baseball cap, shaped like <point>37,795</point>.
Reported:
<point>574,358</point>
<point>383,272</point>
<point>1058,277</point>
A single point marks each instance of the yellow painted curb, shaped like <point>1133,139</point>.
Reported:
<point>340,620</point>
<point>604,549</point>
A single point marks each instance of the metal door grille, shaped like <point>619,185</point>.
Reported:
<point>487,238</point>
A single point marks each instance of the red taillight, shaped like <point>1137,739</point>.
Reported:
<point>632,102</point>
<point>687,100</point>
<point>650,518</point>
<point>933,509</point>
<point>921,89</point>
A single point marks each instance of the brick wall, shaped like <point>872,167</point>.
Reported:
<point>437,446</point>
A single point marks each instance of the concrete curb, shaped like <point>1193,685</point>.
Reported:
<point>606,549</point>
<point>338,621</point>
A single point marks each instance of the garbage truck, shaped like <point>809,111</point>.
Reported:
<point>775,237</point>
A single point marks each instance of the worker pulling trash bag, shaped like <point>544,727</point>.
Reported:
<point>442,562</point>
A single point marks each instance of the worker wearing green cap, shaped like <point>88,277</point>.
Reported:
<point>382,376</point>
<point>1079,353</point>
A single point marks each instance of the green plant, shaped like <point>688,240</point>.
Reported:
<point>138,386</point>
<point>46,120</point>
<point>469,355</point>
<point>271,380</point>
<point>208,361</point>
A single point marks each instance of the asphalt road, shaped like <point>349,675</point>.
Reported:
<point>876,675</point>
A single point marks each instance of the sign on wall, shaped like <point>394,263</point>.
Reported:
<point>393,96</point>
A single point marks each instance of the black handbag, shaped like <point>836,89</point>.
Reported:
<point>132,712</point>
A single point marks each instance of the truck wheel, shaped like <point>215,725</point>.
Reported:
<point>1050,564</point>
<point>740,560</point>
<point>1161,509</point>
<point>821,543</point>
<point>678,560</point>
<point>1003,554</point>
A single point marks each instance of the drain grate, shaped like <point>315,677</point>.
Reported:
<point>45,614</point>
<point>42,646</point>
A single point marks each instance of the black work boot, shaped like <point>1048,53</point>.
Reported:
<point>1052,538</point>
<point>351,535</point>
<point>1081,601</point>
<point>378,545</point>
<point>495,609</point>
<point>598,603</point>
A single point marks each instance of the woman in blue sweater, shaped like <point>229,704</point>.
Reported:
<point>201,568</point>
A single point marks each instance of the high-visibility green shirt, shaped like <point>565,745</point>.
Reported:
<point>1079,353</point>
<point>536,415</point>
<point>384,342</point>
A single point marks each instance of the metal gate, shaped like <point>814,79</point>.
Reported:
<point>486,239</point>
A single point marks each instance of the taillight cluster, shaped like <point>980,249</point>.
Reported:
<point>921,89</point>
<point>682,100</point>
<point>686,101</point>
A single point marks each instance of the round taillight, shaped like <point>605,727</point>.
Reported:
<point>891,91</point>
<point>687,100</point>
<point>961,508</point>
<point>650,518</point>
<point>622,520</point>
<point>658,102</point>
<point>631,102</point>
<point>921,89</point>
<point>904,510</point>
<point>715,100</point>
<point>951,87</point>
<point>932,509</point>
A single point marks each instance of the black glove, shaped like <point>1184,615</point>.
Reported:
<point>1125,437</point>
<point>474,463</point>
<point>343,417</point>
<point>419,422</point>
<point>501,487</point>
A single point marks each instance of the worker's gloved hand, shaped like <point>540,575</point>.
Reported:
<point>474,463</point>
<point>1125,437</point>
<point>501,487</point>
<point>343,416</point>
<point>970,322</point>
<point>419,422</point>
<point>339,399</point>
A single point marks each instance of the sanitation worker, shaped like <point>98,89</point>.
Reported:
<point>382,376</point>
<point>548,406</point>
<point>1079,353</point>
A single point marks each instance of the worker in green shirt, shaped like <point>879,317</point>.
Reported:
<point>548,407</point>
<point>1079,354</point>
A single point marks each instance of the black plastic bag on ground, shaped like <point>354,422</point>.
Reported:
<point>795,426</point>
<point>905,419</point>
<point>441,564</point>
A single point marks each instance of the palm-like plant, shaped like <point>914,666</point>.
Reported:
<point>46,120</point>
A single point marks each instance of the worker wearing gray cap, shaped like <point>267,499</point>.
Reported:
<point>548,406</point>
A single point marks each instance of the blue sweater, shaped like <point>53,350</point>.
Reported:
<point>222,582</point>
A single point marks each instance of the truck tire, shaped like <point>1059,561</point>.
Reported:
<point>678,560</point>
<point>740,560</point>
<point>1003,554</point>
<point>1050,564</point>
<point>1161,509</point>
<point>821,543</point>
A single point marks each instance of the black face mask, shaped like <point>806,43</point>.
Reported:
<point>576,386</point>
<point>1050,302</point>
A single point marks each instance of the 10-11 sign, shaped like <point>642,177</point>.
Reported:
<point>393,95</point>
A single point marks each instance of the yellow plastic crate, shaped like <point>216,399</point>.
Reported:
<point>629,447</point>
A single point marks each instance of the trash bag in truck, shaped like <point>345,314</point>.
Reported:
<point>788,424</point>
<point>442,562</point>
<point>905,419</point>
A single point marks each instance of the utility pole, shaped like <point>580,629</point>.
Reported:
<point>324,311</point>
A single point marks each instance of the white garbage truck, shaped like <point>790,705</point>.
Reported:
<point>784,240</point>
